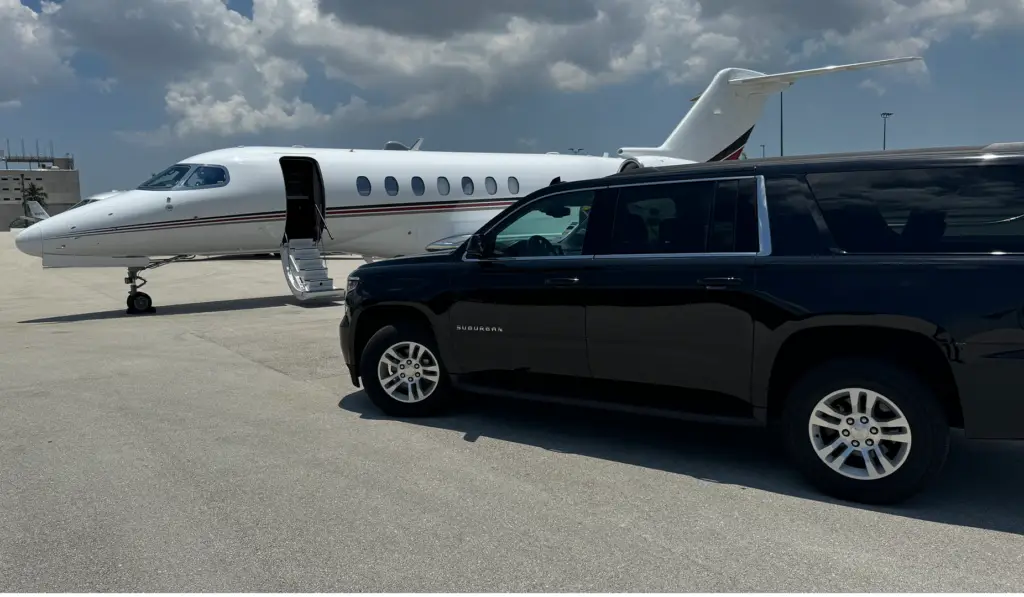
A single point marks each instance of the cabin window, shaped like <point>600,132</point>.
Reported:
<point>492,186</point>
<point>207,176</point>
<point>167,179</point>
<point>442,185</point>
<point>363,186</point>
<point>467,185</point>
<point>418,188</point>
<point>391,186</point>
<point>513,185</point>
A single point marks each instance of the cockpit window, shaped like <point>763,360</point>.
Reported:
<point>207,176</point>
<point>167,179</point>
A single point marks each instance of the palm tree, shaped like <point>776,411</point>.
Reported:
<point>33,193</point>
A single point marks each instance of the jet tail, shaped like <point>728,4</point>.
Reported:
<point>34,210</point>
<point>719,124</point>
<point>398,146</point>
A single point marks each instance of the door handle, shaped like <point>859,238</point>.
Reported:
<point>719,283</point>
<point>561,281</point>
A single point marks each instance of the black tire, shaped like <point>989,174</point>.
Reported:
<point>139,302</point>
<point>438,400</point>
<point>929,429</point>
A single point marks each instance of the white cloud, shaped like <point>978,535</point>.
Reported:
<point>31,54</point>
<point>223,73</point>
<point>872,85</point>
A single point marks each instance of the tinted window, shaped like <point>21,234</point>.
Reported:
<point>668,218</point>
<point>363,186</point>
<point>793,229</point>
<point>941,210</point>
<point>206,176</point>
<point>734,219</point>
<point>391,186</point>
<point>418,188</point>
<point>491,185</point>
<point>442,185</point>
<point>554,225</point>
<point>513,185</point>
<point>467,185</point>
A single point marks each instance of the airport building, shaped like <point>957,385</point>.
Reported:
<point>56,176</point>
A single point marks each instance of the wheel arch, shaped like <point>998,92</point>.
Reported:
<point>377,316</point>
<point>921,346</point>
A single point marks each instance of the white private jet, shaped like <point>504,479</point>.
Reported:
<point>301,202</point>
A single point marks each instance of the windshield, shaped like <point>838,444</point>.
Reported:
<point>81,203</point>
<point>168,178</point>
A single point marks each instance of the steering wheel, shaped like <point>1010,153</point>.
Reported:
<point>537,243</point>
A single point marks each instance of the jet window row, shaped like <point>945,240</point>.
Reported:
<point>186,177</point>
<point>391,187</point>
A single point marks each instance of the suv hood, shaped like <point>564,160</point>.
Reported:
<point>413,260</point>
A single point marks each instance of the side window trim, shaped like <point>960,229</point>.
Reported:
<point>763,224</point>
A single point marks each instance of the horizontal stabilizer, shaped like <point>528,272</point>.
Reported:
<point>790,77</point>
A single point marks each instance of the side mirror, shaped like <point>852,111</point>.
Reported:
<point>475,247</point>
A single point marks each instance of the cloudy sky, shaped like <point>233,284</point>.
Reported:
<point>130,86</point>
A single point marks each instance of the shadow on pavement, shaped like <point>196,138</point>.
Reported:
<point>265,302</point>
<point>981,485</point>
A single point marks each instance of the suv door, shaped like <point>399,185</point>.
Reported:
<point>521,307</point>
<point>670,294</point>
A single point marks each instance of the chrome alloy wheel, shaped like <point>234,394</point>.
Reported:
<point>408,372</point>
<point>860,434</point>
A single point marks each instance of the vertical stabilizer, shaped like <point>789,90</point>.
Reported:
<point>721,120</point>
<point>34,210</point>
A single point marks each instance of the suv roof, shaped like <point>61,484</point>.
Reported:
<point>775,164</point>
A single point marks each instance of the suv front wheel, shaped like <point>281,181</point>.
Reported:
<point>865,430</point>
<point>401,372</point>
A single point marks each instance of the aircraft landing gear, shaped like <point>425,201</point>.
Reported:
<point>140,302</point>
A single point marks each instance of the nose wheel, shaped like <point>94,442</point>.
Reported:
<point>138,302</point>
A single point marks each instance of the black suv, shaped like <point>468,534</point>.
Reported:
<point>866,303</point>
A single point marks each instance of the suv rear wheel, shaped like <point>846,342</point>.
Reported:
<point>401,371</point>
<point>865,430</point>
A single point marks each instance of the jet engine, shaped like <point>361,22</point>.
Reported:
<point>647,161</point>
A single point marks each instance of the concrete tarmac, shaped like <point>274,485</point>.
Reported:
<point>218,445</point>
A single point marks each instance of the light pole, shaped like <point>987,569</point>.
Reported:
<point>885,122</point>
<point>781,123</point>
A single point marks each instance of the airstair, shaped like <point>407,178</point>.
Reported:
<point>305,271</point>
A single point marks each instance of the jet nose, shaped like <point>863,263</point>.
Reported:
<point>30,241</point>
